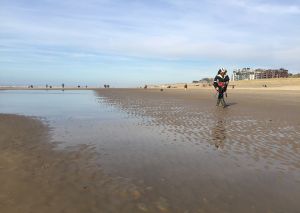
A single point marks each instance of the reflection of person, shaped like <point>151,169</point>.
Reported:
<point>219,84</point>
<point>219,133</point>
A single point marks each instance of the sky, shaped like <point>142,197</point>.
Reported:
<point>128,43</point>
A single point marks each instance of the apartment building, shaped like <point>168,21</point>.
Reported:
<point>251,74</point>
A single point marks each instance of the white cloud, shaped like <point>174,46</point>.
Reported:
<point>177,30</point>
<point>268,8</point>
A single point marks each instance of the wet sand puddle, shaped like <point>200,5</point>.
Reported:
<point>210,160</point>
<point>160,153</point>
<point>236,135</point>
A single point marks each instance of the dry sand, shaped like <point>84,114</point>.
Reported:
<point>258,84</point>
<point>244,158</point>
<point>279,83</point>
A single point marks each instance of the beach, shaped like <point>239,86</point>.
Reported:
<point>160,151</point>
<point>257,84</point>
<point>110,106</point>
<point>35,178</point>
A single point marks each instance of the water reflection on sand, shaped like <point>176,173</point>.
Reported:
<point>176,154</point>
<point>211,159</point>
<point>219,132</point>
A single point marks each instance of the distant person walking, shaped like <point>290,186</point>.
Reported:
<point>219,84</point>
<point>185,87</point>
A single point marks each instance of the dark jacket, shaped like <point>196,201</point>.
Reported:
<point>219,82</point>
<point>226,79</point>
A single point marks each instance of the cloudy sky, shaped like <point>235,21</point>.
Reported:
<point>133,42</point>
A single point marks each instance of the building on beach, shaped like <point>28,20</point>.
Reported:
<point>251,74</point>
<point>278,73</point>
<point>243,74</point>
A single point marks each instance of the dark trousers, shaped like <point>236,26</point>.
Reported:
<point>221,99</point>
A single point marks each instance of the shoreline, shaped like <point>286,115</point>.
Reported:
<point>290,88</point>
<point>40,88</point>
<point>258,84</point>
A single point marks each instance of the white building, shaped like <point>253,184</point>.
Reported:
<point>243,74</point>
<point>251,74</point>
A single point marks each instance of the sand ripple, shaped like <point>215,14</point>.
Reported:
<point>272,143</point>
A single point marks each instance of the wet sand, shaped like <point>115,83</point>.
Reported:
<point>243,158</point>
<point>35,177</point>
<point>195,157</point>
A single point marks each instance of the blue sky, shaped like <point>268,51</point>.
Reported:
<point>133,42</point>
